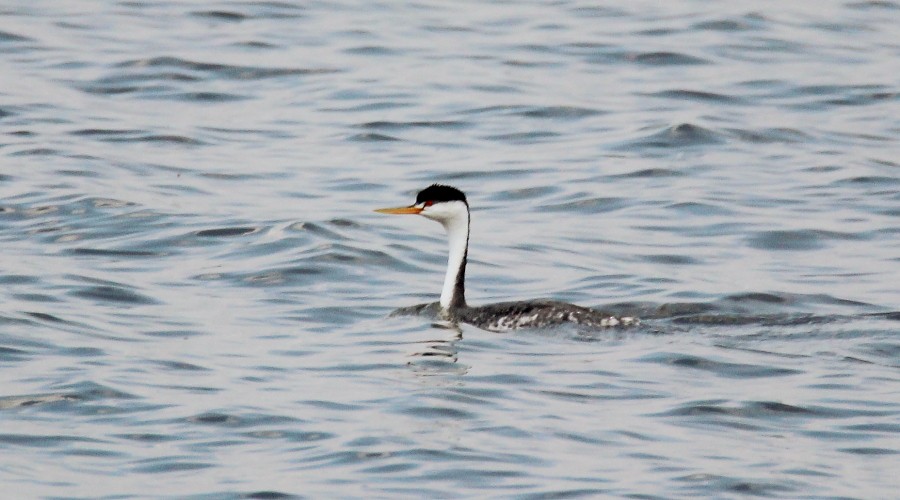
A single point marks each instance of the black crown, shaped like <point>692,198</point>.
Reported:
<point>437,193</point>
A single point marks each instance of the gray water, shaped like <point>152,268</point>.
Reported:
<point>196,292</point>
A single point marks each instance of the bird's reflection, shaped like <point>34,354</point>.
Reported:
<point>439,356</point>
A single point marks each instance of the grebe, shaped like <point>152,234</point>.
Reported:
<point>448,205</point>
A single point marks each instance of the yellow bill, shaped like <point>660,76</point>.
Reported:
<point>400,210</point>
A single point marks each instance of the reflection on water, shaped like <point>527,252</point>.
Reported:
<point>439,356</point>
<point>194,287</point>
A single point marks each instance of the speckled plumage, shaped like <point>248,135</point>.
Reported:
<point>506,316</point>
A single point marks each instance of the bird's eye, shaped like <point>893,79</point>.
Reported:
<point>429,203</point>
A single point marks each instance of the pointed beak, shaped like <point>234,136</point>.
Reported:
<point>400,210</point>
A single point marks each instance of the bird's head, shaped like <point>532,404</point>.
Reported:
<point>444,204</point>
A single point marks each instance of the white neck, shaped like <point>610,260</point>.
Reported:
<point>457,226</point>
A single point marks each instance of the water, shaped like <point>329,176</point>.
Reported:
<point>195,291</point>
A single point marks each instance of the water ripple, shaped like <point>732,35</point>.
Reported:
<point>800,239</point>
<point>722,369</point>
<point>216,70</point>
<point>680,136</point>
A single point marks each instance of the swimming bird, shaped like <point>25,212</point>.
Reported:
<point>448,205</point>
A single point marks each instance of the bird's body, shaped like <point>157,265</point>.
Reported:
<point>505,316</point>
<point>448,205</point>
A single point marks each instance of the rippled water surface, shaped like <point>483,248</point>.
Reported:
<point>195,290</point>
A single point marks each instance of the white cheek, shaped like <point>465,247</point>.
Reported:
<point>443,212</point>
<point>436,212</point>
